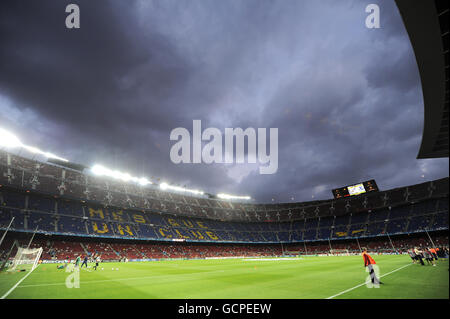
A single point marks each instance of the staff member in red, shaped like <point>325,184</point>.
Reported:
<point>433,252</point>
<point>369,262</point>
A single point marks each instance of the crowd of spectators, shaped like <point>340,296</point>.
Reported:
<point>69,249</point>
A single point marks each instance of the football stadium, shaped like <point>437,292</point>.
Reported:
<point>72,230</point>
<point>160,244</point>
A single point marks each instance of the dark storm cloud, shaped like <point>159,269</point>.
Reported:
<point>347,100</point>
<point>94,76</point>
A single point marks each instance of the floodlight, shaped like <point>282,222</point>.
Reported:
<point>32,149</point>
<point>50,155</point>
<point>101,170</point>
<point>143,181</point>
<point>97,169</point>
<point>227,196</point>
<point>9,140</point>
<point>165,186</point>
<point>46,154</point>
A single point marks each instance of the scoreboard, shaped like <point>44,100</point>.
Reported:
<point>357,189</point>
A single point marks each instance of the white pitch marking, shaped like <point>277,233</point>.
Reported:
<point>271,259</point>
<point>15,286</point>
<point>350,289</point>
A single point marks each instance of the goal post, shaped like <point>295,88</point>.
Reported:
<point>26,258</point>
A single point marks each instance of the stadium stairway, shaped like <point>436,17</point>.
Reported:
<point>408,221</point>
<point>140,253</point>
<point>84,249</point>
<point>113,249</point>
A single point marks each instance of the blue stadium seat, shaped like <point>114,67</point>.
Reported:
<point>71,225</point>
<point>375,228</point>
<point>396,226</point>
<point>44,222</point>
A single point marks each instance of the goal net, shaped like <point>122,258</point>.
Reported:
<point>26,259</point>
<point>339,252</point>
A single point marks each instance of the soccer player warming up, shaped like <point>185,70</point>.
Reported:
<point>97,261</point>
<point>369,262</point>
<point>85,261</point>
<point>77,262</point>
<point>428,256</point>
<point>419,256</point>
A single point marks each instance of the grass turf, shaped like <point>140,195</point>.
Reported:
<point>308,277</point>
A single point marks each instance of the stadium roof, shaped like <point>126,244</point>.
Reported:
<point>427,25</point>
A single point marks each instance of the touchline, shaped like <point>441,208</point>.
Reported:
<point>212,151</point>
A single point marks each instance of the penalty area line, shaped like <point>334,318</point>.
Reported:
<point>357,286</point>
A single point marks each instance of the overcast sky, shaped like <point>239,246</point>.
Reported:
<point>347,100</point>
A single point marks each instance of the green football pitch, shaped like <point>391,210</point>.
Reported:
<point>287,278</point>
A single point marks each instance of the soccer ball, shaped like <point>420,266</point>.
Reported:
<point>103,268</point>
<point>117,268</point>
